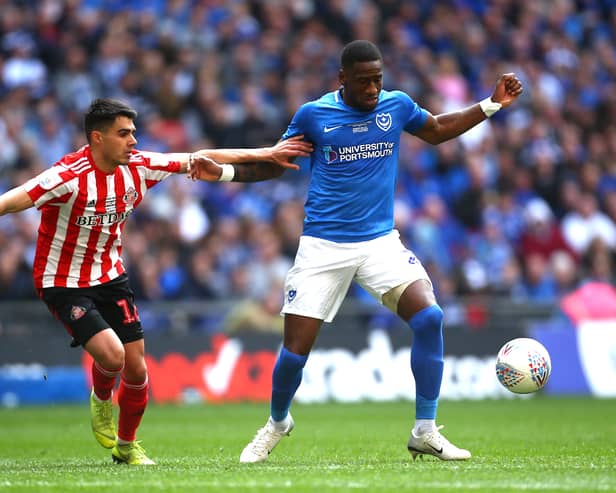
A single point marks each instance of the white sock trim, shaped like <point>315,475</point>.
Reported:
<point>136,386</point>
<point>423,426</point>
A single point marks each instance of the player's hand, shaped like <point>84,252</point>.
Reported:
<point>285,150</point>
<point>201,167</point>
<point>507,89</point>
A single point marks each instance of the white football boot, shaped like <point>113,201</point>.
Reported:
<point>266,439</point>
<point>433,443</point>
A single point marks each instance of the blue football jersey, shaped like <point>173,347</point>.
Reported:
<point>354,164</point>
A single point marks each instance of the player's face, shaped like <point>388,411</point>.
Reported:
<point>362,84</point>
<point>119,140</point>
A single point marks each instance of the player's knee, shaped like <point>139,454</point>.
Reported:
<point>135,373</point>
<point>113,357</point>
<point>428,319</point>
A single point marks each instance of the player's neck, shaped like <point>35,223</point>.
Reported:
<point>348,102</point>
<point>101,163</point>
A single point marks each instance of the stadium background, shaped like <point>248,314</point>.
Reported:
<point>515,221</point>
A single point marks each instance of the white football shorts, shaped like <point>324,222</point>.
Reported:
<point>318,282</point>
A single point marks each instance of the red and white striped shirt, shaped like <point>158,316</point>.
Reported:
<point>83,211</point>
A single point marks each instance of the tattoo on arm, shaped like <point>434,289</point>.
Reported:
<point>251,172</point>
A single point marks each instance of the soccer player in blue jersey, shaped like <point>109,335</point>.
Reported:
<point>349,235</point>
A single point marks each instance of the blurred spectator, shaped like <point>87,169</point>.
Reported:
<point>585,223</point>
<point>260,314</point>
<point>565,272</point>
<point>512,281</point>
<point>436,236</point>
<point>22,68</point>
<point>599,263</point>
<point>75,86</point>
<point>267,264</point>
<point>542,235</point>
<point>202,278</point>
<point>493,251</point>
<point>539,282</point>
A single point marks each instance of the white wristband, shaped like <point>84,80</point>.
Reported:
<point>489,107</point>
<point>228,172</point>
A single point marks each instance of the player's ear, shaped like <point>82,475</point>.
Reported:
<point>96,136</point>
<point>341,77</point>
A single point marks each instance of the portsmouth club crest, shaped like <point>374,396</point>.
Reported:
<point>383,121</point>
<point>291,294</point>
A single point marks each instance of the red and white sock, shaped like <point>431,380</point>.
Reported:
<point>132,399</point>
<point>103,381</point>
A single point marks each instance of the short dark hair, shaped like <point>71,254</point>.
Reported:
<point>359,50</point>
<point>102,113</point>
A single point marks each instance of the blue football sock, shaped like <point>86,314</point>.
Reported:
<point>285,380</point>
<point>427,359</point>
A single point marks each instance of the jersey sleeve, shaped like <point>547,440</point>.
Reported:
<point>52,185</point>
<point>155,166</point>
<point>299,123</point>
<point>414,115</point>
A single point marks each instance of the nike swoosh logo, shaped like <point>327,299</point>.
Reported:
<point>327,129</point>
<point>435,449</point>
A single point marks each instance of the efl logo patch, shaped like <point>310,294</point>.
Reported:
<point>77,312</point>
<point>49,179</point>
<point>383,121</point>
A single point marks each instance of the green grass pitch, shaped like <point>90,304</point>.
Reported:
<point>539,444</point>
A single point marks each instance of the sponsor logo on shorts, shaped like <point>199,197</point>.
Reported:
<point>412,259</point>
<point>291,295</point>
<point>77,312</point>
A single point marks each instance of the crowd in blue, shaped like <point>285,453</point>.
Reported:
<point>524,205</point>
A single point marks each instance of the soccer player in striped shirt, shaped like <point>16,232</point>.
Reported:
<point>85,200</point>
<point>349,235</point>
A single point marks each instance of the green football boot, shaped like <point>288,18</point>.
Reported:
<point>132,454</point>
<point>101,413</point>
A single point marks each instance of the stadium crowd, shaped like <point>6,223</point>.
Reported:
<point>524,205</point>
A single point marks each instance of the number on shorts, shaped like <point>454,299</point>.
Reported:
<point>129,317</point>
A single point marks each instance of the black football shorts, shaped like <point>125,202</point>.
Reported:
<point>87,311</point>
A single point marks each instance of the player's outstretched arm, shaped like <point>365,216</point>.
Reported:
<point>201,167</point>
<point>240,164</point>
<point>446,126</point>
<point>15,200</point>
<point>280,154</point>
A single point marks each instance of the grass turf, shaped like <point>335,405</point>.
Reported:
<point>539,444</point>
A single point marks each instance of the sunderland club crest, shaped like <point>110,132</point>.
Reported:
<point>77,312</point>
<point>130,196</point>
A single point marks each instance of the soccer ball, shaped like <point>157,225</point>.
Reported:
<point>523,365</point>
